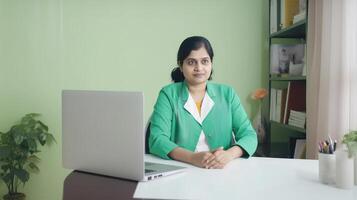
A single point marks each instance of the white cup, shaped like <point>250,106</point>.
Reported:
<point>344,169</point>
<point>356,169</point>
<point>327,168</point>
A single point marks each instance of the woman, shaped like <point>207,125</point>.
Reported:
<point>193,119</point>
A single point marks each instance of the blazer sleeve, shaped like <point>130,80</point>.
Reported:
<point>160,128</point>
<point>245,135</point>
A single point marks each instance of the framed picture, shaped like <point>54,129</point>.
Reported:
<point>287,59</point>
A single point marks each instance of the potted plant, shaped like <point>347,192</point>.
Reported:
<point>345,161</point>
<point>259,123</point>
<point>18,149</point>
<point>350,140</point>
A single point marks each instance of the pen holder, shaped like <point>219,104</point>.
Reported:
<point>327,168</point>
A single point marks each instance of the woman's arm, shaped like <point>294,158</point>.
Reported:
<point>160,127</point>
<point>235,152</point>
<point>245,135</point>
<point>198,159</point>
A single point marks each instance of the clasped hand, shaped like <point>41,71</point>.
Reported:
<point>215,159</point>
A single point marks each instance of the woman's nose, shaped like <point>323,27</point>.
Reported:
<point>198,67</point>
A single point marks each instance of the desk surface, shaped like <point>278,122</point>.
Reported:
<point>254,178</point>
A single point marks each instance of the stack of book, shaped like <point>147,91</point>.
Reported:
<point>297,119</point>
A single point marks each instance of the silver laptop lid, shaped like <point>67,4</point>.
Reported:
<point>103,132</point>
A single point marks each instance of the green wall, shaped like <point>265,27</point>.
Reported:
<point>50,45</point>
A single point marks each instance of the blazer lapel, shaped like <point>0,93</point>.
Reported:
<point>207,106</point>
<point>190,106</point>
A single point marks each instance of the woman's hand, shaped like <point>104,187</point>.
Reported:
<point>199,159</point>
<point>215,159</point>
<point>221,158</point>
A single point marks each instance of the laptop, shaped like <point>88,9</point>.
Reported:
<point>103,133</point>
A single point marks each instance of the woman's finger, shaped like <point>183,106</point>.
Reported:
<point>211,164</point>
<point>216,166</point>
<point>210,158</point>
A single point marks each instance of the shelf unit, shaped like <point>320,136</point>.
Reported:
<point>294,128</point>
<point>297,30</point>
<point>274,147</point>
<point>291,78</point>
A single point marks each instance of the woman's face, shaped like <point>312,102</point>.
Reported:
<point>197,67</point>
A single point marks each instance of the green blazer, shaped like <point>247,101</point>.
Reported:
<point>174,123</point>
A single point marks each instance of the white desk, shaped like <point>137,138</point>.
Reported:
<point>247,179</point>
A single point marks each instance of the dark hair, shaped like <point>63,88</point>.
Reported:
<point>189,44</point>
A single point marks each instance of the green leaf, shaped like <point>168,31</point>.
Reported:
<point>8,177</point>
<point>5,138</point>
<point>4,152</point>
<point>33,115</point>
<point>22,174</point>
<point>18,139</point>
<point>50,139</point>
<point>15,129</point>
<point>33,159</point>
<point>42,138</point>
<point>34,168</point>
<point>32,144</point>
<point>29,117</point>
<point>43,125</point>
<point>5,167</point>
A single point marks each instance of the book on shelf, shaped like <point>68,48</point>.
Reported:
<point>288,9</point>
<point>279,94</point>
<point>283,104</point>
<point>272,103</point>
<point>273,16</point>
<point>286,103</point>
<point>277,104</point>
<point>300,149</point>
<point>284,13</point>
<point>287,59</point>
<point>297,114</point>
<point>299,17</point>
<point>296,124</point>
<point>302,12</point>
<point>296,119</point>
<point>296,99</point>
<point>304,61</point>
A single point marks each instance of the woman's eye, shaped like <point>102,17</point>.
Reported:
<point>205,62</point>
<point>190,62</point>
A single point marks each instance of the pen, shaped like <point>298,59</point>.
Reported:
<point>319,147</point>
<point>330,139</point>
<point>325,148</point>
<point>330,149</point>
<point>334,145</point>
